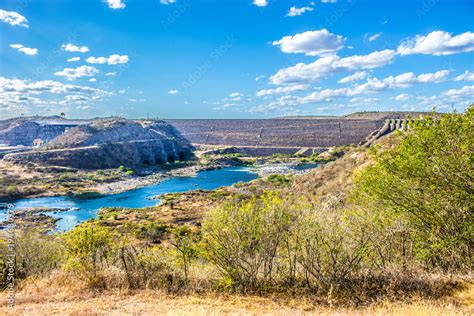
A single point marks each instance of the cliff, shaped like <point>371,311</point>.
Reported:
<point>109,143</point>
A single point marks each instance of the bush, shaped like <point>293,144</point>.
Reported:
<point>242,240</point>
<point>35,255</point>
<point>89,251</point>
<point>426,183</point>
<point>278,179</point>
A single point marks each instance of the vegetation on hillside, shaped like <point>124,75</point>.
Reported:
<point>405,223</point>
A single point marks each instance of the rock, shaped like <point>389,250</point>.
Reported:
<point>110,143</point>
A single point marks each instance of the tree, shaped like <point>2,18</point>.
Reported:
<point>428,179</point>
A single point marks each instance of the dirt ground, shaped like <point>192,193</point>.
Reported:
<point>51,302</point>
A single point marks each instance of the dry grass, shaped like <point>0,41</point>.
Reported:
<point>57,295</point>
<point>157,303</point>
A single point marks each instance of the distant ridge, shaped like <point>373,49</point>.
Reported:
<point>369,115</point>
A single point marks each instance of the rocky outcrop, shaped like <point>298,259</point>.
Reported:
<point>23,132</point>
<point>109,143</point>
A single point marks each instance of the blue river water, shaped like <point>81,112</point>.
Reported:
<point>87,208</point>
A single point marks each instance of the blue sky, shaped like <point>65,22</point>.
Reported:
<point>234,58</point>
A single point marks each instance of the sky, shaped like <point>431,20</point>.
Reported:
<point>234,58</point>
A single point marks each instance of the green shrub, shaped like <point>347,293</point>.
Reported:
<point>278,179</point>
<point>242,239</point>
<point>426,181</point>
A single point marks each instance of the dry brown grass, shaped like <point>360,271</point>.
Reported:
<point>58,295</point>
<point>157,303</point>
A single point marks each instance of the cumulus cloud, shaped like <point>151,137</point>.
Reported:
<point>92,80</point>
<point>166,2</point>
<point>466,76</point>
<point>438,43</point>
<point>111,74</point>
<point>466,91</point>
<point>17,94</point>
<point>294,11</point>
<point>111,60</point>
<point>74,73</point>
<point>402,97</point>
<point>331,64</point>
<point>116,4</point>
<point>74,59</point>
<point>74,48</point>
<point>409,78</point>
<point>283,90</point>
<point>372,86</point>
<point>311,43</point>
<point>25,50</point>
<point>260,3</point>
<point>173,91</point>
<point>359,75</point>
<point>13,18</point>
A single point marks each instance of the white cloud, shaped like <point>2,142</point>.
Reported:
<point>402,97</point>
<point>438,43</point>
<point>363,100</point>
<point>38,87</point>
<point>111,60</point>
<point>283,90</point>
<point>331,64</point>
<point>374,37</point>
<point>173,91</point>
<point>328,1</point>
<point>116,4</point>
<point>409,78</point>
<point>359,75</point>
<point>111,74</point>
<point>466,76</point>
<point>235,95</point>
<point>260,3</point>
<point>74,73</point>
<point>92,80</point>
<point>74,48</point>
<point>21,95</point>
<point>25,50</point>
<point>466,91</point>
<point>260,77</point>
<point>311,43</point>
<point>372,86</point>
<point>13,18</point>
<point>166,2</point>
<point>294,11</point>
<point>74,59</point>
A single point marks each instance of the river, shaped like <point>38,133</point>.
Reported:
<point>84,209</point>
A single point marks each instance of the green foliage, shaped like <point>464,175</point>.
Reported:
<point>218,194</point>
<point>278,179</point>
<point>242,239</point>
<point>427,182</point>
<point>89,250</point>
<point>152,231</point>
<point>184,241</point>
<point>34,255</point>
